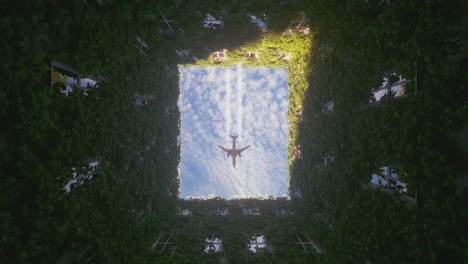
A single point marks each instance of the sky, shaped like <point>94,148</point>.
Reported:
<point>216,102</point>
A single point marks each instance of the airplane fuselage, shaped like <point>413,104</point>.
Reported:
<point>233,152</point>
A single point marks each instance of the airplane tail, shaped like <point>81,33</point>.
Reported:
<point>234,136</point>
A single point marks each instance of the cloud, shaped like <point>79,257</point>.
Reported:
<point>251,102</point>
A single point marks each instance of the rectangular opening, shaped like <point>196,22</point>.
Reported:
<point>234,131</point>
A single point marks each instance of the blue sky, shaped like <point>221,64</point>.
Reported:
<point>216,102</point>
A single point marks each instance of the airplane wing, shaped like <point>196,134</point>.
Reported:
<point>239,151</point>
<point>225,149</point>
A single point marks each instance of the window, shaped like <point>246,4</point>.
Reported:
<point>328,107</point>
<point>295,192</point>
<point>251,56</point>
<point>250,211</point>
<point>211,23</point>
<point>297,154</point>
<point>284,57</point>
<point>280,211</point>
<point>257,242</point>
<point>392,84</point>
<point>261,25</point>
<point>141,45</point>
<point>219,56</point>
<point>169,26</point>
<point>213,244</point>
<point>327,159</point>
<point>163,242</point>
<point>64,79</point>
<point>139,215</point>
<point>94,166</point>
<point>79,179</point>
<point>142,99</point>
<point>184,211</point>
<point>307,244</point>
<point>185,56</point>
<point>219,211</point>
<point>387,177</point>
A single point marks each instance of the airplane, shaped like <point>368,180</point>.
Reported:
<point>233,152</point>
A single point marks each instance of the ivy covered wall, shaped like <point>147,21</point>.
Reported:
<point>132,199</point>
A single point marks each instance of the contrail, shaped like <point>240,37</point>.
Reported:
<point>240,94</point>
<point>228,100</point>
